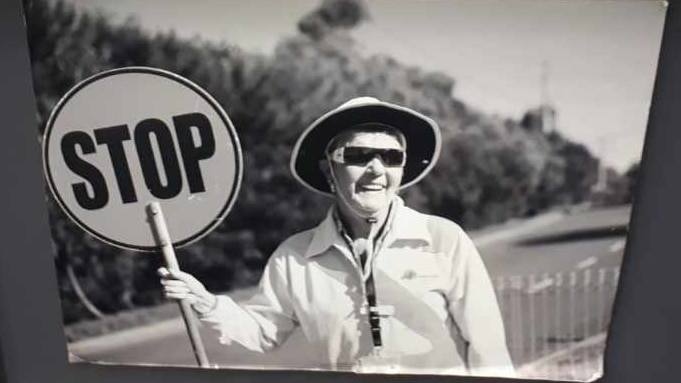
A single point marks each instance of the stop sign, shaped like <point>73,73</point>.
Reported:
<point>126,137</point>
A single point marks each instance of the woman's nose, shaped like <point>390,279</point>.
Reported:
<point>376,165</point>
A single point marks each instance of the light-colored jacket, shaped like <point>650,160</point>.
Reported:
<point>439,312</point>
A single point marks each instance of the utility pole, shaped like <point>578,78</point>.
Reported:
<point>548,117</point>
<point>601,182</point>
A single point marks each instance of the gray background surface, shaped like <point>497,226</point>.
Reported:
<point>644,340</point>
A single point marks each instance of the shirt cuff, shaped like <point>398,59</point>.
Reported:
<point>210,311</point>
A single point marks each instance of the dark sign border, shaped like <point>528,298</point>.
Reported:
<point>231,199</point>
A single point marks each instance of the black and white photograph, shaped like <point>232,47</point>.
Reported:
<point>438,187</point>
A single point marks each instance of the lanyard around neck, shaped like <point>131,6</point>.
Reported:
<point>371,248</point>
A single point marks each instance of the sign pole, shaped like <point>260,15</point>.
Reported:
<point>158,224</point>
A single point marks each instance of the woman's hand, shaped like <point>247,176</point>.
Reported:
<point>182,286</point>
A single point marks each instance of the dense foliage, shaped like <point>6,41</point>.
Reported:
<point>490,169</point>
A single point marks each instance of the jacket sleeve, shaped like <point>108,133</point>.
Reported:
<point>263,321</point>
<point>473,305</point>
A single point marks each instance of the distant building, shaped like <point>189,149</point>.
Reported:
<point>540,119</point>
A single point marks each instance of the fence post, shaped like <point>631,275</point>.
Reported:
<point>516,285</point>
<point>559,337</point>
<point>559,293</point>
<point>602,312</point>
<point>531,281</point>
<point>571,319</point>
<point>545,315</point>
<point>587,311</point>
<point>500,288</point>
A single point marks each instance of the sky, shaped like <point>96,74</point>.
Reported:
<point>599,56</point>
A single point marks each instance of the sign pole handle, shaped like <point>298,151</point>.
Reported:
<point>163,238</point>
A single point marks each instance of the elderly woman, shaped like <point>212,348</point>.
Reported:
<point>376,286</point>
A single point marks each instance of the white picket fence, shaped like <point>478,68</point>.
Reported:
<point>556,323</point>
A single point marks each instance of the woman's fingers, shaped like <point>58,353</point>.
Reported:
<point>168,274</point>
<point>165,272</point>
<point>191,299</point>
<point>181,286</point>
<point>173,282</point>
<point>177,289</point>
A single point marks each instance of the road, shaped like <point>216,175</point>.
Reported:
<point>537,254</point>
<point>586,239</point>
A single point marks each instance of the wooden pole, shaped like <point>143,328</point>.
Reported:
<point>158,224</point>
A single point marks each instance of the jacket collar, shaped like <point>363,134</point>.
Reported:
<point>408,224</point>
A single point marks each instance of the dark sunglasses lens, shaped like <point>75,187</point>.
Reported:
<point>361,156</point>
<point>393,157</point>
<point>357,156</point>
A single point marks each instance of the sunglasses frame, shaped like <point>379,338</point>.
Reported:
<point>338,156</point>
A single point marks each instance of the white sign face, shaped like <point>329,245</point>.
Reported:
<point>124,138</point>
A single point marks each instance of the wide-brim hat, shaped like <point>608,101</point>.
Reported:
<point>421,134</point>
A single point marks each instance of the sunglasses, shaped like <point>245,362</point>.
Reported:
<point>360,156</point>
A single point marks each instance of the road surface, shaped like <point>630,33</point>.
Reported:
<point>529,252</point>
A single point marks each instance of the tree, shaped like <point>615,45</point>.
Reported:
<point>490,168</point>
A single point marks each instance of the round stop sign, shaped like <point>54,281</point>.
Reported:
<point>126,137</point>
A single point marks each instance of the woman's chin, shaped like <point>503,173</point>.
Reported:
<point>372,209</point>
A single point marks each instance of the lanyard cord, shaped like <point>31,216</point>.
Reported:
<point>366,255</point>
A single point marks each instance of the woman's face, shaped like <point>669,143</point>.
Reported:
<point>368,189</point>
